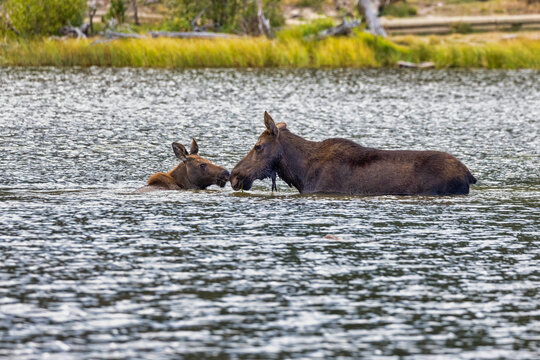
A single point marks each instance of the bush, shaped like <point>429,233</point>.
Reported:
<point>117,11</point>
<point>461,28</point>
<point>176,24</point>
<point>248,22</point>
<point>38,17</point>
<point>4,31</point>
<point>224,15</point>
<point>307,30</point>
<point>400,9</point>
<point>315,4</point>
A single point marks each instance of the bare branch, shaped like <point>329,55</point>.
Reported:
<point>342,29</point>
<point>118,35</point>
<point>193,23</point>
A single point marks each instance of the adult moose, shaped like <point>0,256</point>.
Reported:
<point>342,166</point>
<point>194,172</point>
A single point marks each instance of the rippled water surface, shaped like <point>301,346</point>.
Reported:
<point>89,270</point>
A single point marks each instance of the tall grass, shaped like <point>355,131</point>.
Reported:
<point>288,50</point>
<point>161,53</point>
<point>511,54</point>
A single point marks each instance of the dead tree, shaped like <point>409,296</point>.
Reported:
<point>193,23</point>
<point>73,31</point>
<point>92,9</point>
<point>370,10</point>
<point>264,23</point>
<point>344,28</point>
<point>109,34</point>
<point>5,21</point>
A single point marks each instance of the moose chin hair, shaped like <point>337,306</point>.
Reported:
<point>241,184</point>
<point>246,184</point>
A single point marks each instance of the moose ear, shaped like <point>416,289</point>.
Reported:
<point>270,125</point>
<point>194,149</point>
<point>180,151</point>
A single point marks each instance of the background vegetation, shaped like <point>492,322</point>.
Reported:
<point>293,46</point>
<point>117,11</point>
<point>400,9</point>
<point>288,50</point>
<point>39,17</point>
<point>222,15</point>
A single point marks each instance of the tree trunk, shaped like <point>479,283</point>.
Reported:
<point>117,35</point>
<point>264,23</point>
<point>92,9</point>
<point>344,28</point>
<point>193,23</point>
<point>370,10</point>
<point>135,12</point>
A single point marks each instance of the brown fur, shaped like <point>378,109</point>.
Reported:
<point>345,167</point>
<point>163,180</point>
<point>194,172</point>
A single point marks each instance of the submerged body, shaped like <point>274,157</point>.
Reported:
<point>344,167</point>
<point>194,172</point>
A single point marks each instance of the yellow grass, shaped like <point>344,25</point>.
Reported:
<point>491,51</point>
<point>358,50</point>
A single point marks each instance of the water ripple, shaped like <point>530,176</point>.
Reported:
<point>91,270</point>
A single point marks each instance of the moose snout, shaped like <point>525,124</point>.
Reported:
<point>239,182</point>
<point>223,177</point>
<point>235,181</point>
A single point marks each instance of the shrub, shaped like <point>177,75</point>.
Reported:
<point>176,24</point>
<point>400,9</point>
<point>117,11</point>
<point>225,15</point>
<point>38,17</point>
<point>316,4</point>
<point>307,30</point>
<point>461,28</point>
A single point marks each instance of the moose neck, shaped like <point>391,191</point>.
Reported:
<point>180,176</point>
<point>294,161</point>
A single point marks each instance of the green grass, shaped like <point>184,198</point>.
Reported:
<point>306,30</point>
<point>461,28</point>
<point>514,54</point>
<point>315,4</point>
<point>289,49</point>
<point>400,9</point>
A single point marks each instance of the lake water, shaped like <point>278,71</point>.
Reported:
<point>89,270</point>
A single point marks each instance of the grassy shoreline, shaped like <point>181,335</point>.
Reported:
<point>358,50</point>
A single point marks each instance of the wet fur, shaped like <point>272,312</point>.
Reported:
<point>162,181</point>
<point>180,178</point>
<point>343,166</point>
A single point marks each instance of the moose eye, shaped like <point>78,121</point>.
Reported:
<point>258,147</point>
<point>202,166</point>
